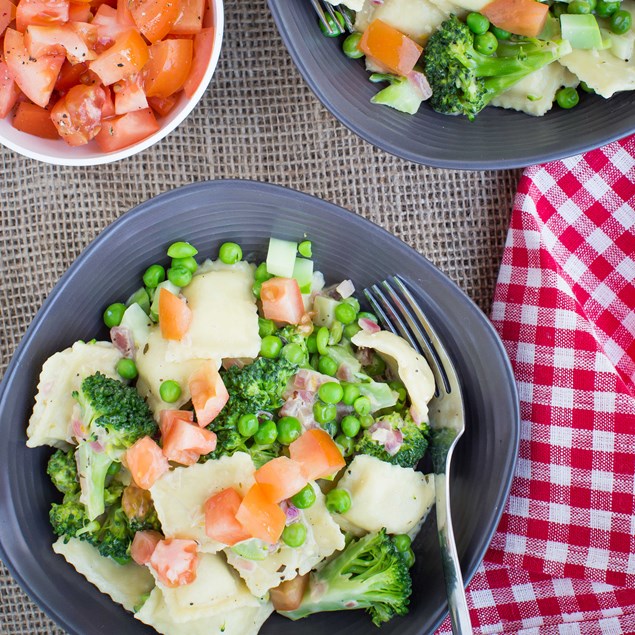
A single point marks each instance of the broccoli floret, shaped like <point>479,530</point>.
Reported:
<point>368,574</point>
<point>464,81</point>
<point>231,441</point>
<point>69,519</point>
<point>290,335</point>
<point>412,449</point>
<point>115,537</point>
<point>62,468</point>
<point>114,416</point>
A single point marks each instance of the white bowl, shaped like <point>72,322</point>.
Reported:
<point>58,152</point>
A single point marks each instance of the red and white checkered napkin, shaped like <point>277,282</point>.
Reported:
<point>563,558</point>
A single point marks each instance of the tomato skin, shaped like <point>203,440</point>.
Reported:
<point>168,67</point>
<point>260,517</point>
<point>282,300</point>
<point>154,18</point>
<point>203,47</point>
<point>220,517</point>
<point>7,14</point>
<point>396,52</point>
<point>317,453</point>
<point>34,120</point>
<point>9,90</point>
<point>522,17</point>
<point>175,316</point>
<point>208,391</point>
<point>77,116</point>
<point>146,462</point>
<point>41,12</point>
<point>162,106</point>
<point>79,12</point>
<point>35,78</point>
<point>127,56</point>
<point>175,561</point>
<point>280,478</point>
<point>143,545</point>
<point>190,20</point>
<point>121,132</point>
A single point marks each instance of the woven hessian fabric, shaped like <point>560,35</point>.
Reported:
<point>563,558</point>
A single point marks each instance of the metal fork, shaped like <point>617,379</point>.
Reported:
<point>322,8</point>
<point>399,312</point>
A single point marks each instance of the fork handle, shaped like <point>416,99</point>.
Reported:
<point>459,612</point>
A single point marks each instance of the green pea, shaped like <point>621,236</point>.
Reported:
<point>330,427</point>
<point>402,542</point>
<point>261,274</point>
<point>248,425</point>
<point>366,421</point>
<point>477,23</point>
<point>350,46</point>
<point>586,88</point>
<point>335,333</point>
<point>486,44</point>
<point>181,250</point>
<point>188,263</point>
<point>376,367</point>
<point>293,353</point>
<point>409,557</point>
<point>362,405</point>
<point>322,340</point>
<point>345,313</point>
<point>311,343</point>
<point>331,392</point>
<point>153,276</point>
<point>346,444</point>
<point>266,434</point>
<point>338,501</point>
<point>294,535</point>
<point>304,498</point>
<point>368,316</point>
<point>351,392</point>
<point>605,9</point>
<point>114,314</point>
<point>567,97</point>
<point>350,425</point>
<point>305,248</point>
<point>266,327</point>
<point>353,301</point>
<point>621,22</point>
<point>337,28</point>
<point>579,7</point>
<point>170,391</point>
<point>289,429</point>
<point>180,276</point>
<point>140,297</point>
<point>270,346</point>
<point>501,34</point>
<point>327,366</point>
<point>351,330</point>
<point>230,253</point>
<point>256,288</point>
<point>324,412</point>
<point>127,368</point>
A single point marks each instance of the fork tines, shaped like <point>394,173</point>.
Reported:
<point>324,7</point>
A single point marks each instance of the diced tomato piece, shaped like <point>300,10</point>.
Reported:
<point>143,545</point>
<point>79,12</point>
<point>190,20</point>
<point>8,90</point>
<point>175,561</point>
<point>146,462</point>
<point>34,120</point>
<point>392,49</point>
<point>42,12</point>
<point>7,14</point>
<point>287,596</point>
<point>124,16</point>
<point>69,76</point>
<point>317,454</point>
<point>282,300</point>
<point>220,517</point>
<point>168,67</point>
<point>35,78</point>
<point>522,17</point>
<point>77,115</point>
<point>129,95</point>
<point>185,442</point>
<point>127,56</point>
<point>167,417</point>
<point>208,391</point>
<point>162,105</point>
<point>175,316</point>
<point>66,39</point>
<point>108,109</point>
<point>109,27</point>
<point>155,18</point>
<point>280,478</point>
<point>203,47</point>
<point>121,132</point>
<point>260,517</point>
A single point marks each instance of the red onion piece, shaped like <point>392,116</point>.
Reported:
<point>291,512</point>
<point>368,325</point>
<point>420,81</point>
<point>123,341</point>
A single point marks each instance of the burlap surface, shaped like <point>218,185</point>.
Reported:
<point>258,121</point>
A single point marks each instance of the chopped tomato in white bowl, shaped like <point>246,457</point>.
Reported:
<point>85,82</point>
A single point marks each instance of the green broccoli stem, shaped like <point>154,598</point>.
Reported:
<point>93,470</point>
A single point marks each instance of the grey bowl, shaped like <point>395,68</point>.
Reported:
<point>496,139</point>
<point>344,245</point>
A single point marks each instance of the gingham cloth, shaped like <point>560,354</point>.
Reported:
<point>563,558</point>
